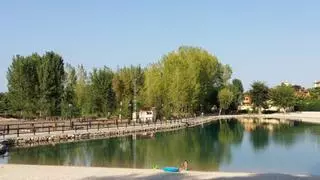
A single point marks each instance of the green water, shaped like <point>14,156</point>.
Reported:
<point>225,146</point>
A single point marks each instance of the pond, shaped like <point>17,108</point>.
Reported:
<point>235,145</point>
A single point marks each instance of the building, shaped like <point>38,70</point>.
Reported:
<point>317,84</point>
<point>300,91</point>
<point>247,99</point>
<point>246,104</point>
<point>146,114</point>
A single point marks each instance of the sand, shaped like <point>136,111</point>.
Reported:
<point>37,172</point>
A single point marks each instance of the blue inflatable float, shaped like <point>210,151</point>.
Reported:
<point>171,169</point>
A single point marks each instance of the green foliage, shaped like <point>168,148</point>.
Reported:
<point>4,103</point>
<point>51,76</point>
<point>227,72</point>
<point>69,104</point>
<point>35,84</point>
<point>315,93</point>
<point>225,97</point>
<point>23,84</point>
<point>183,82</point>
<point>124,83</point>
<point>308,105</point>
<point>259,93</point>
<point>283,96</point>
<point>82,92</point>
<point>102,95</point>
<point>237,90</point>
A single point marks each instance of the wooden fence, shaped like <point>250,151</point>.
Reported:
<point>35,127</point>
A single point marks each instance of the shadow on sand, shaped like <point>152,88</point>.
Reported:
<point>179,176</point>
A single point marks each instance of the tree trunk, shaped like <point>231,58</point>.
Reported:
<point>220,111</point>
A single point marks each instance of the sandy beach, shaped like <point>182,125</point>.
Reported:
<point>36,172</point>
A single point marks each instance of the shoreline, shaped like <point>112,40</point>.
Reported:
<point>17,172</point>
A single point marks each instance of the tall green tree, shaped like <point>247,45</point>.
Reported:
<point>82,91</point>
<point>23,84</point>
<point>227,73</point>
<point>259,94</point>
<point>153,88</point>
<point>69,104</point>
<point>4,103</point>
<point>185,81</point>
<point>237,89</point>
<point>51,78</point>
<point>102,94</point>
<point>283,96</point>
<point>128,81</point>
<point>225,97</point>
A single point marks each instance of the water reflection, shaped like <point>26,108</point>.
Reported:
<point>208,147</point>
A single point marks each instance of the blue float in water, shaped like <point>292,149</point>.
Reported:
<point>171,169</point>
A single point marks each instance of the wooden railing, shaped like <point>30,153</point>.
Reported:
<point>34,128</point>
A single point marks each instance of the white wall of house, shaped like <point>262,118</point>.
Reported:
<point>146,116</point>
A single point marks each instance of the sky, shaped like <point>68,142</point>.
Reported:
<point>271,41</point>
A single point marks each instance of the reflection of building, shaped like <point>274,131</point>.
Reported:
<point>251,124</point>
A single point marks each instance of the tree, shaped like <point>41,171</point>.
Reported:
<point>283,96</point>
<point>185,81</point>
<point>23,84</point>
<point>51,77</point>
<point>227,72</point>
<point>126,81</point>
<point>4,103</point>
<point>315,93</point>
<point>82,91</point>
<point>153,88</point>
<point>225,97</point>
<point>259,94</point>
<point>237,90</point>
<point>69,105</point>
<point>102,95</point>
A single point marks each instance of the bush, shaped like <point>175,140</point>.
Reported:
<point>308,105</point>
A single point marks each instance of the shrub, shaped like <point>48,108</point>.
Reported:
<point>308,105</point>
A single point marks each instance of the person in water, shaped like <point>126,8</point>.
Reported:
<point>184,166</point>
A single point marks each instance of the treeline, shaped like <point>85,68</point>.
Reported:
<point>285,97</point>
<point>182,83</point>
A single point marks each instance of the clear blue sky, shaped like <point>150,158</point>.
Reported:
<point>270,40</point>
